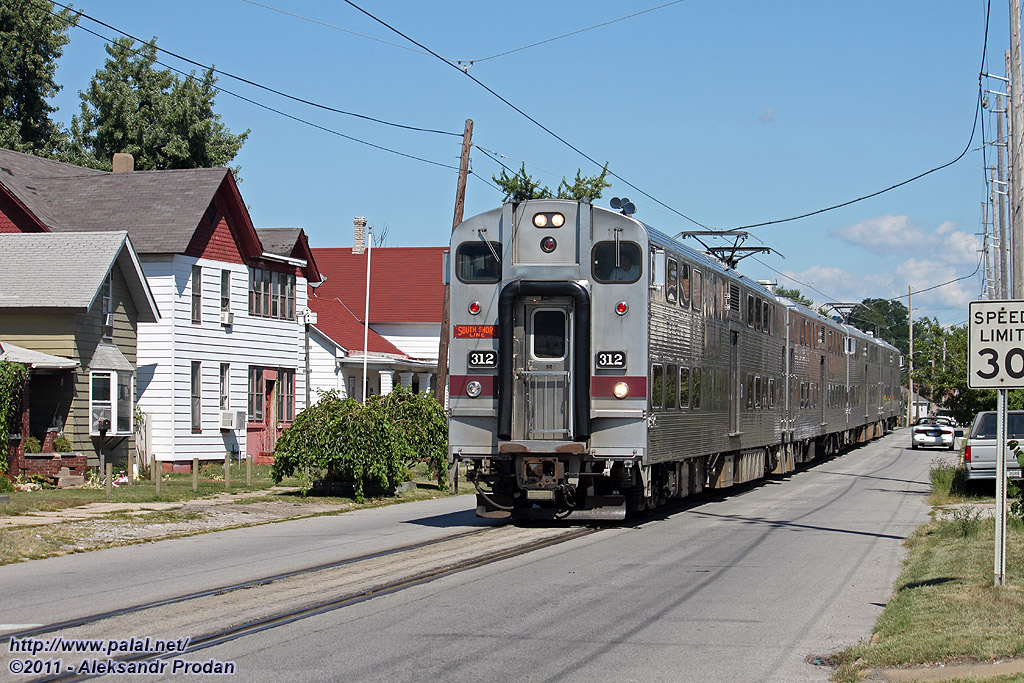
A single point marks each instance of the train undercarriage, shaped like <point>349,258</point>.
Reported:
<point>578,487</point>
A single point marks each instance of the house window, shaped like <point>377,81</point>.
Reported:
<point>225,386</point>
<point>197,294</point>
<point>285,395</point>
<point>256,389</point>
<point>197,404</point>
<point>271,294</point>
<point>110,401</point>
<point>225,290</point>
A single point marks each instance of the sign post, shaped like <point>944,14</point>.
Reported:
<point>995,360</point>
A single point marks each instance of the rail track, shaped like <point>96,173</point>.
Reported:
<point>237,610</point>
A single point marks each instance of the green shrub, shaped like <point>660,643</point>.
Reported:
<point>5,484</point>
<point>341,440</point>
<point>62,444</point>
<point>32,445</point>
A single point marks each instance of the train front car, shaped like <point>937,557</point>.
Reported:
<point>548,358</point>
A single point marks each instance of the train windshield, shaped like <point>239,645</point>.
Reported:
<point>478,262</point>
<point>608,268</point>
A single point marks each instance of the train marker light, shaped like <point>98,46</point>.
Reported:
<point>474,308</point>
<point>473,389</point>
<point>620,390</point>
<point>548,244</point>
<point>621,308</point>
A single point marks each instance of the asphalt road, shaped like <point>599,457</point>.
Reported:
<point>749,587</point>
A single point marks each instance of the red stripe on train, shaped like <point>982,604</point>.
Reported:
<point>601,386</point>
<point>457,384</point>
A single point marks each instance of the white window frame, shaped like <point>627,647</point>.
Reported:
<point>112,402</point>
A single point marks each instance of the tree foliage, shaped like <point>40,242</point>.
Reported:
<point>341,440</point>
<point>32,39</point>
<point>886,318</point>
<point>794,295</point>
<point>163,121</point>
<point>520,186</point>
<point>12,379</point>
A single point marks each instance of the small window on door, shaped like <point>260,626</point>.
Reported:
<point>549,338</point>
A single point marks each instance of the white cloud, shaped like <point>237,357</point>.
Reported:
<point>768,115</point>
<point>882,234</point>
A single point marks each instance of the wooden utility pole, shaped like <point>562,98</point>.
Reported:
<point>1016,156</point>
<point>460,202</point>
<point>441,390</point>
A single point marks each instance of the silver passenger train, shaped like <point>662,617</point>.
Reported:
<point>600,367</point>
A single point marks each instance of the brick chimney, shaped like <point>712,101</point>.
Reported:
<point>359,245</point>
<point>123,162</point>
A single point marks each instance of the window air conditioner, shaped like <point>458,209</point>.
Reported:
<point>227,318</point>
<point>227,419</point>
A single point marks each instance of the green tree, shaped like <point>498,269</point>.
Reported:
<point>794,295</point>
<point>520,186</point>
<point>887,319</point>
<point>162,120</point>
<point>32,39</point>
<point>12,380</point>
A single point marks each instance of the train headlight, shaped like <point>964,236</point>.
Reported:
<point>543,220</point>
<point>620,390</point>
<point>548,244</point>
<point>621,308</point>
<point>474,308</point>
<point>473,389</point>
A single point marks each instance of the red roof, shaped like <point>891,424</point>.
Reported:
<point>338,323</point>
<point>405,283</point>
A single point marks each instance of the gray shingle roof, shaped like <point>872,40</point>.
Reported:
<point>279,241</point>
<point>160,209</point>
<point>66,270</point>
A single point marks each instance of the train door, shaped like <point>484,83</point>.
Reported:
<point>735,384</point>
<point>823,391</point>
<point>542,390</point>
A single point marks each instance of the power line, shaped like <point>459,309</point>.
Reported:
<point>523,113</point>
<point>254,102</point>
<point>255,84</point>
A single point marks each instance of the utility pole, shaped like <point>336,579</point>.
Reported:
<point>991,286</point>
<point>442,353</point>
<point>1016,156</point>
<point>910,354</point>
<point>460,203</point>
<point>1001,251</point>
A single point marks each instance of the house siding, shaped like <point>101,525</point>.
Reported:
<point>76,336</point>
<point>417,340</point>
<point>168,348</point>
<point>323,370</point>
<point>13,218</point>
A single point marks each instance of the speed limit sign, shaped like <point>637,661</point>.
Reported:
<point>995,350</point>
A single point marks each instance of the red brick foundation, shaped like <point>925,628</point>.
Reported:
<point>48,464</point>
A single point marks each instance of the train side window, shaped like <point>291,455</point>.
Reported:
<point>657,386</point>
<point>684,388</point>
<point>684,284</point>
<point>771,392</point>
<point>757,392</point>
<point>750,310</point>
<point>697,292</point>
<point>671,275</point>
<point>605,268</point>
<point>549,334</point>
<point>749,388</point>
<point>671,389</point>
<point>476,262</point>
<point>757,313</point>
<point>766,317</point>
<point>695,394</point>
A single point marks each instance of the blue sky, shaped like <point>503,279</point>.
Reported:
<point>729,113</point>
